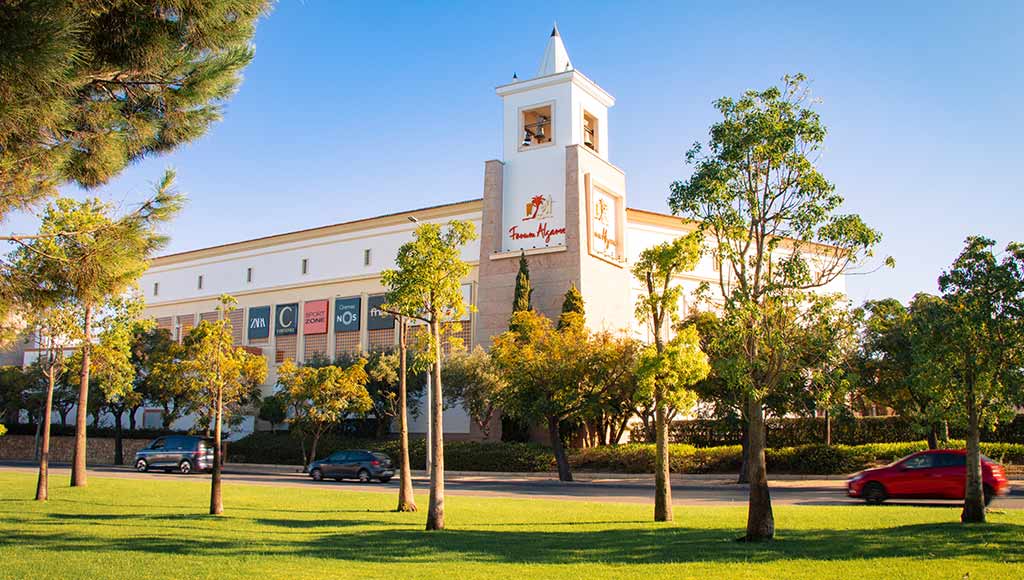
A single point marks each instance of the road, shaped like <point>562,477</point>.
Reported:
<point>640,489</point>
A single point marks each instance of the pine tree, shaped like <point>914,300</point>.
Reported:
<point>572,308</point>
<point>86,89</point>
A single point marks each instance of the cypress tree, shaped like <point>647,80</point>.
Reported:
<point>523,292</point>
<point>572,308</point>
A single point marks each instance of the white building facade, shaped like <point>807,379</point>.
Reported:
<point>553,196</point>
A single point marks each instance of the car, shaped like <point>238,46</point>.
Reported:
<point>182,453</point>
<point>933,474</point>
<point>353,464</point>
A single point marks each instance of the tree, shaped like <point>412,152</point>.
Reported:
<point>83,254</point>
<point>981,346</point>
<point>152,346</point>
<point>616,392</point>
<point>85,91</point>
<point>548,374</point>
<point>668,369</point>
<point>573,309</point>
<point>53,321</point>
<point>215,375</point>
<point>771,221</point>
<point>322,396</point>
<point>428,286</point>
<point>895,358</point>
<point>523,292</point>
<point>274,410</point>
<point>473,381</point>
<point>383,370</point>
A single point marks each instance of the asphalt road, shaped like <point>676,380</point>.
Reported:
<point>691,492</point>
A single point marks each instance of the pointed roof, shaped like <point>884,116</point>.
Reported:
<point>556,59</point>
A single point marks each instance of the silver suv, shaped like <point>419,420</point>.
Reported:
<point>182,453</point>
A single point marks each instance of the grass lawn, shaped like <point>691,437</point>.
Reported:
<point>127,528</point>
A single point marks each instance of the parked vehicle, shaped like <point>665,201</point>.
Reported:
<point>353,464</point>
<point>934,474</point>
<point>184,453</point>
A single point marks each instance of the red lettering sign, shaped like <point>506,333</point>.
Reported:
<point>543,232</point>
<point>314,317</point>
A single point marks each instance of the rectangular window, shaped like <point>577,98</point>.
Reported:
<point>156,288</point>
<point>305,265</point>
<point>248,275</point>
<point>199,282</point>
<point>590,132</point>
<point>537,129</point>
<point>366,257</point>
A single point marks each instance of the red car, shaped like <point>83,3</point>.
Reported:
<point>937,474</point>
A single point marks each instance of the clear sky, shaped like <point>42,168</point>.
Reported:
<point>356,109</point>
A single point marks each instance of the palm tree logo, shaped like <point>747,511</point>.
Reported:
<point>539,206</point>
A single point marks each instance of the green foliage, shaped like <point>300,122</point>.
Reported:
<point>979,342</point>
<point>86,90</point>
<point>382,369</point>
<point>656,269</point>
<point>895,360</point>
<point>321,396</point>
<point>473,380</point>
<point>3,430</point>
<point>211,373</point>
<point>523,292</point>
<point>274,410</point>
<point>573,310</point>
<point>680,364</point>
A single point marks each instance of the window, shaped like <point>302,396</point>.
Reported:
<point>951,460</point>
<point>248,275</point>
<point>366,257</point>
<point>590,132</point>
<point>158,444</point>
<point>156,288</point>
<point>536,127</point>
<point>199,282</point>
<point>923,461</point>
<point>305,265</point>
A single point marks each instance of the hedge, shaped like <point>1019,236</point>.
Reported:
<point>58,430</point>
<point>790,432</point>
<point>282,448</point>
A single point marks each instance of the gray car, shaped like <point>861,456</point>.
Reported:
<point>353,464</point>
<point>182,453</point>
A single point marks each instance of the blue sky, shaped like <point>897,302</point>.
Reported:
<point>355,109</point>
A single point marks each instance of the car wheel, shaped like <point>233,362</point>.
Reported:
<point>990,494</point>
<point>385,479</point>
<point>185,467</point>
<point>364,476</point>
<point>874,493</point>
<point>317,475</point>
<point>141,466</point>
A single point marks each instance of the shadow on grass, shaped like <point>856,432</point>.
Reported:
<point>622,545</point>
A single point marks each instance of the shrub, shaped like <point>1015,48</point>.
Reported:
<point>3,430</point>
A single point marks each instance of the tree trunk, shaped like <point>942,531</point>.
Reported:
<point>406,497</point>
<point>78,475</point>
<point>828,428</point>
<point>216,501</point>
<point>435,508</point>
<point>744,453</point>
<point>974,494</point>
<point>131,419</point>
<point>564,472</point>
<point>662,481</point>
<point>43,484</point>
<point>760,521</point>
<point>933,438</point>
<point>314,445</point>
<point>118,438</point>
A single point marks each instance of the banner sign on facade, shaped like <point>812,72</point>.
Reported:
<point>286,319</point>
<point>346,314</point>
<point>259,322</point>
<point>314,317</point>
<point>378,320</point>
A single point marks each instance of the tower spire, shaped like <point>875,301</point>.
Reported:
<point>556,58</point>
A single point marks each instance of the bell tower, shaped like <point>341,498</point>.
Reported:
<point>537,196</point>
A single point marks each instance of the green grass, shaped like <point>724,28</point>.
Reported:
<point>128,528</point>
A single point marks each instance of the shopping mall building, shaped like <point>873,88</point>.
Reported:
<point>555,196</point>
